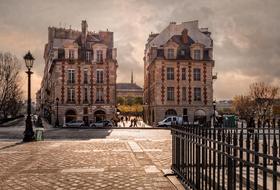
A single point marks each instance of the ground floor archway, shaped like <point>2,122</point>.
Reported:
<point>99,115</point>
<point>200,116</point>
<point>170,112</point>
<point>70,115</point>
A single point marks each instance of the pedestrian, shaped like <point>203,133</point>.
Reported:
<point>135,122</point>
<point>131,123</point>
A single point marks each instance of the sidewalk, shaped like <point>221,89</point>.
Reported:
<point>93,164</point>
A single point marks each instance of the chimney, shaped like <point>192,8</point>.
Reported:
<point>84,32</point>
<point>185,36</point>
<point>84,27</point>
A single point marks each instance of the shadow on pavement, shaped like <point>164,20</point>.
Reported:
<point>12,145</point>
<point>76,134</point>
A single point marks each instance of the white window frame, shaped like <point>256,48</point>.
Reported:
<point>197,94</point>
<point>170,73</point>
<point>71,94</point>
<point>170,93</point>
<point>184,94</point>
<point>196,74</point>
<point>99,56</point>
<point>170,53</point>
<point>88,56</point>
<point>71,76</point>
<point>99,76</point>
<point>197,54</point>
<point>99,94</point>
<point>71,54</point>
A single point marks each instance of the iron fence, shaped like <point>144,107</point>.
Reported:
<point>226,158</point>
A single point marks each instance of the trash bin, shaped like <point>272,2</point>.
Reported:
<point>39,134</point>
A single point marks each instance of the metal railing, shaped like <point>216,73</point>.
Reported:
<point>226,158</point>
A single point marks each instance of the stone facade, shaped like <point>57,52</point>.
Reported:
<point>178,77</point>
<point>80,72</point>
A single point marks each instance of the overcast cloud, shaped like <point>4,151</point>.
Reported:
<point>245,33</point>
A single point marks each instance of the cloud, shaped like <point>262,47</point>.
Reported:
<point>245,33</point>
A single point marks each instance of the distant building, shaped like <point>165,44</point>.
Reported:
<point>224,106</point>
<point>80,71</point>
<point>131,89</point>
<point>178,65</point>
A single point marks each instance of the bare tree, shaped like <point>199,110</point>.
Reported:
<point>258,103</point>
<point>10,91</point>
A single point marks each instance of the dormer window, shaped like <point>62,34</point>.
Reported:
<point>88,56</point>
<point>71,54</point>
<point>197,54</point>
<point>170,53</point>
<point>99,56</point>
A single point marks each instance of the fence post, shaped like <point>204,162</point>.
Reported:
<point>230,185</point>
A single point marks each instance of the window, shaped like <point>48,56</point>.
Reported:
<point>61,54</point>
<point>99,58</point>
<point>197,54</point>
<point>85,76</point>
<point>197,94</point>
<point>170,93</point>
<point>88,56</point>
<point>196,74</point>
<point>71,95</point>
<point>183,52</point>
<point>71,76</point>
<point>85,110</point>
<point>85,94</point>
<point>170,53</point>
<point>71,54</point>
<point>99,76</point>
<point>183,73</point>
<point>170,73</point>
<point>99,95</point>
<point>184,94</point>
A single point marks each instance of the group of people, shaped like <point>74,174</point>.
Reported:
<point>133,121</point>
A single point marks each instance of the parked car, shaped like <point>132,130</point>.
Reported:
<point>167,122</point>
<point>103,123</point>
<point>74,123</point>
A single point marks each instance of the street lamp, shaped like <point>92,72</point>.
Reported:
<point>28,133</point>
<point>57,121</point>
<point>214,115</point>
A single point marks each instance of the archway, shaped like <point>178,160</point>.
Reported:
<point>99,115</point>
<point>170,112</point>
<point>200,116</point>
<point>70,115</point>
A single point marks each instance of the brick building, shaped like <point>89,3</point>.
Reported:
<point>178,79</point>
<point>80,71</point>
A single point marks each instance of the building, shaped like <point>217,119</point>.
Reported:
<point>125,90</point>
<point>178,79</point>
<point>80,74</point>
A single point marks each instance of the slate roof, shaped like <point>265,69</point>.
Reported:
<point>176,29</point>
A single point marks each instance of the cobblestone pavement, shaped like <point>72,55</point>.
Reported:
<point>88,164</point>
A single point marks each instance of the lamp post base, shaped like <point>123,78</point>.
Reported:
<point>28,133</point>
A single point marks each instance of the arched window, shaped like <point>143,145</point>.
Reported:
<point>170,112</point>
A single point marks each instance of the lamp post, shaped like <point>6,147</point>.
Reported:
<point>28,133</point>
<point>57,121</point>
<point>214,115</point>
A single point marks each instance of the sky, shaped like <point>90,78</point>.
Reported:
<point>246,34</point>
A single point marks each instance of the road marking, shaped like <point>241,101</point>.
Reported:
<point>82,170</point>
<point>134,146</point>
<point>151,169</point>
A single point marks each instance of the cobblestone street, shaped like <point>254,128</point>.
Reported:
<point>111,163</point>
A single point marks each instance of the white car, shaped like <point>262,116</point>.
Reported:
<point>78,123</point>
<point>104,123</point>
<point>167,122</point>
